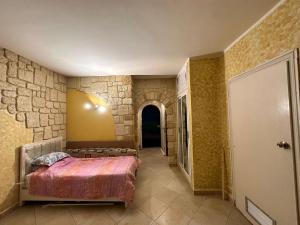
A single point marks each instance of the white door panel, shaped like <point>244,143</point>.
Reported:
<point>260,117</point>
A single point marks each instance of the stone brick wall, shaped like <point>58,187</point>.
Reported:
<point>161,91</point>
<point>35,95</point>
<point>117,92</point>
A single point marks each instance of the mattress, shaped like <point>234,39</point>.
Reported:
<point>86,178</point>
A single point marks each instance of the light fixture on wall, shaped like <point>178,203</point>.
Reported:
<point>98,108</point>
<point>87,106</point>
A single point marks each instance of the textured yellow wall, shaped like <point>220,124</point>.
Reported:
<point>206,84</point>
<point>278,33</point>
<point>88,125</point>
<point>13,134</point>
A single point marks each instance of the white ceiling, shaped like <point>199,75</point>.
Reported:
<point>105,37</point>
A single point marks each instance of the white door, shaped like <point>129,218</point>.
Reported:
<point>261,134</point>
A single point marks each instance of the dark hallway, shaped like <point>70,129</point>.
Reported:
<point>151,127</point>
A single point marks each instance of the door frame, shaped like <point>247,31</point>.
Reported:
<point>162,111</point>
<point>188,175</point>
<point>292,57</point>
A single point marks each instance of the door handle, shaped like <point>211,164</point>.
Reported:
<point>283,144</point>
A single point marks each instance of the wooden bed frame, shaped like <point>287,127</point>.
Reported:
<point>34,150</point>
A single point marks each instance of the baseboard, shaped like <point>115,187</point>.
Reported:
<point>8,210</point>
<point>207,192</point>
<point>213,192</point>
<point>171,164</point>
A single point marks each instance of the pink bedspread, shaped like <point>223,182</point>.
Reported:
<point>86,178</point>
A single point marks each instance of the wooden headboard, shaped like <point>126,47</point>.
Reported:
<point>100,144</point>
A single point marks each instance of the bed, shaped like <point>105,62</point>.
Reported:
<point>101,179</point>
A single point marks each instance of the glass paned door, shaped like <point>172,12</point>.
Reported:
<point>183,155</point>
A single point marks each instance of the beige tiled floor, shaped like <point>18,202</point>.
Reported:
<point>163,197</point>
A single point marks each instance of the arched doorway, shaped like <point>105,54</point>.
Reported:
<point>151,127</point>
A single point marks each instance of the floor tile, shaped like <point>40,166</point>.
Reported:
<point>236,218</point>
<point>57,215</point>
<point>173,217</point>
<point>166,195</point>
<point>91,215</point>
<point>135,217</point>
<point>153,207</point>
<point>22,215</point>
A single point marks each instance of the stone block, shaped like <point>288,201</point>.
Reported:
<point>24,60</point>
<point>44,110</point>
<point>21,65</point>
<point>20,117</point>
<point>9,93</point>
<point>7,86</point>
<point>38,129</point>
<point>8,100</point>
<point>12,109</point>
<point>127,101</point>
<point>113,92</point>
<point>54,110</point>
<point>62,133</point>
<point>51,122</point>
<point>30,68</point>
<point>87,81</point>
<point>12,69</point>
<point>24,91</point>
<point>3,60</point>
<point>38,136</point>
<point>11,56</point>
<point>63,107</point>
<point>56,105</point>
<point>38,102</point>
<point>120,129</point>
<point>3,72</point>
<point>58,87</point>
<point>40,77</point>
<point>33,87</point>
<point>61,97</point>
<point>32,119</point>
<point>44,120</point>
<point>25,75</point>
<point>49,81</point>
<point>53,95</point>
<point>56,127</point>
<point>115,101</point>
<point>54,134</point>
<point>123,110</point>
<point>49,105</point>
<point>99,87</point>
<point>62,79</point>
<point>16,82</point>
<point>24,103</point>
<point>59,119</point>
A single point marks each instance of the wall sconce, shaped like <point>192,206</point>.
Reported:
<point>89,106</point>
<point>100,108</point>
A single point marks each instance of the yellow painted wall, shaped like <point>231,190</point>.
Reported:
<point>13,134</point>
<point>206,82</point>
<point>88,125</point>
<point>278,33</point>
